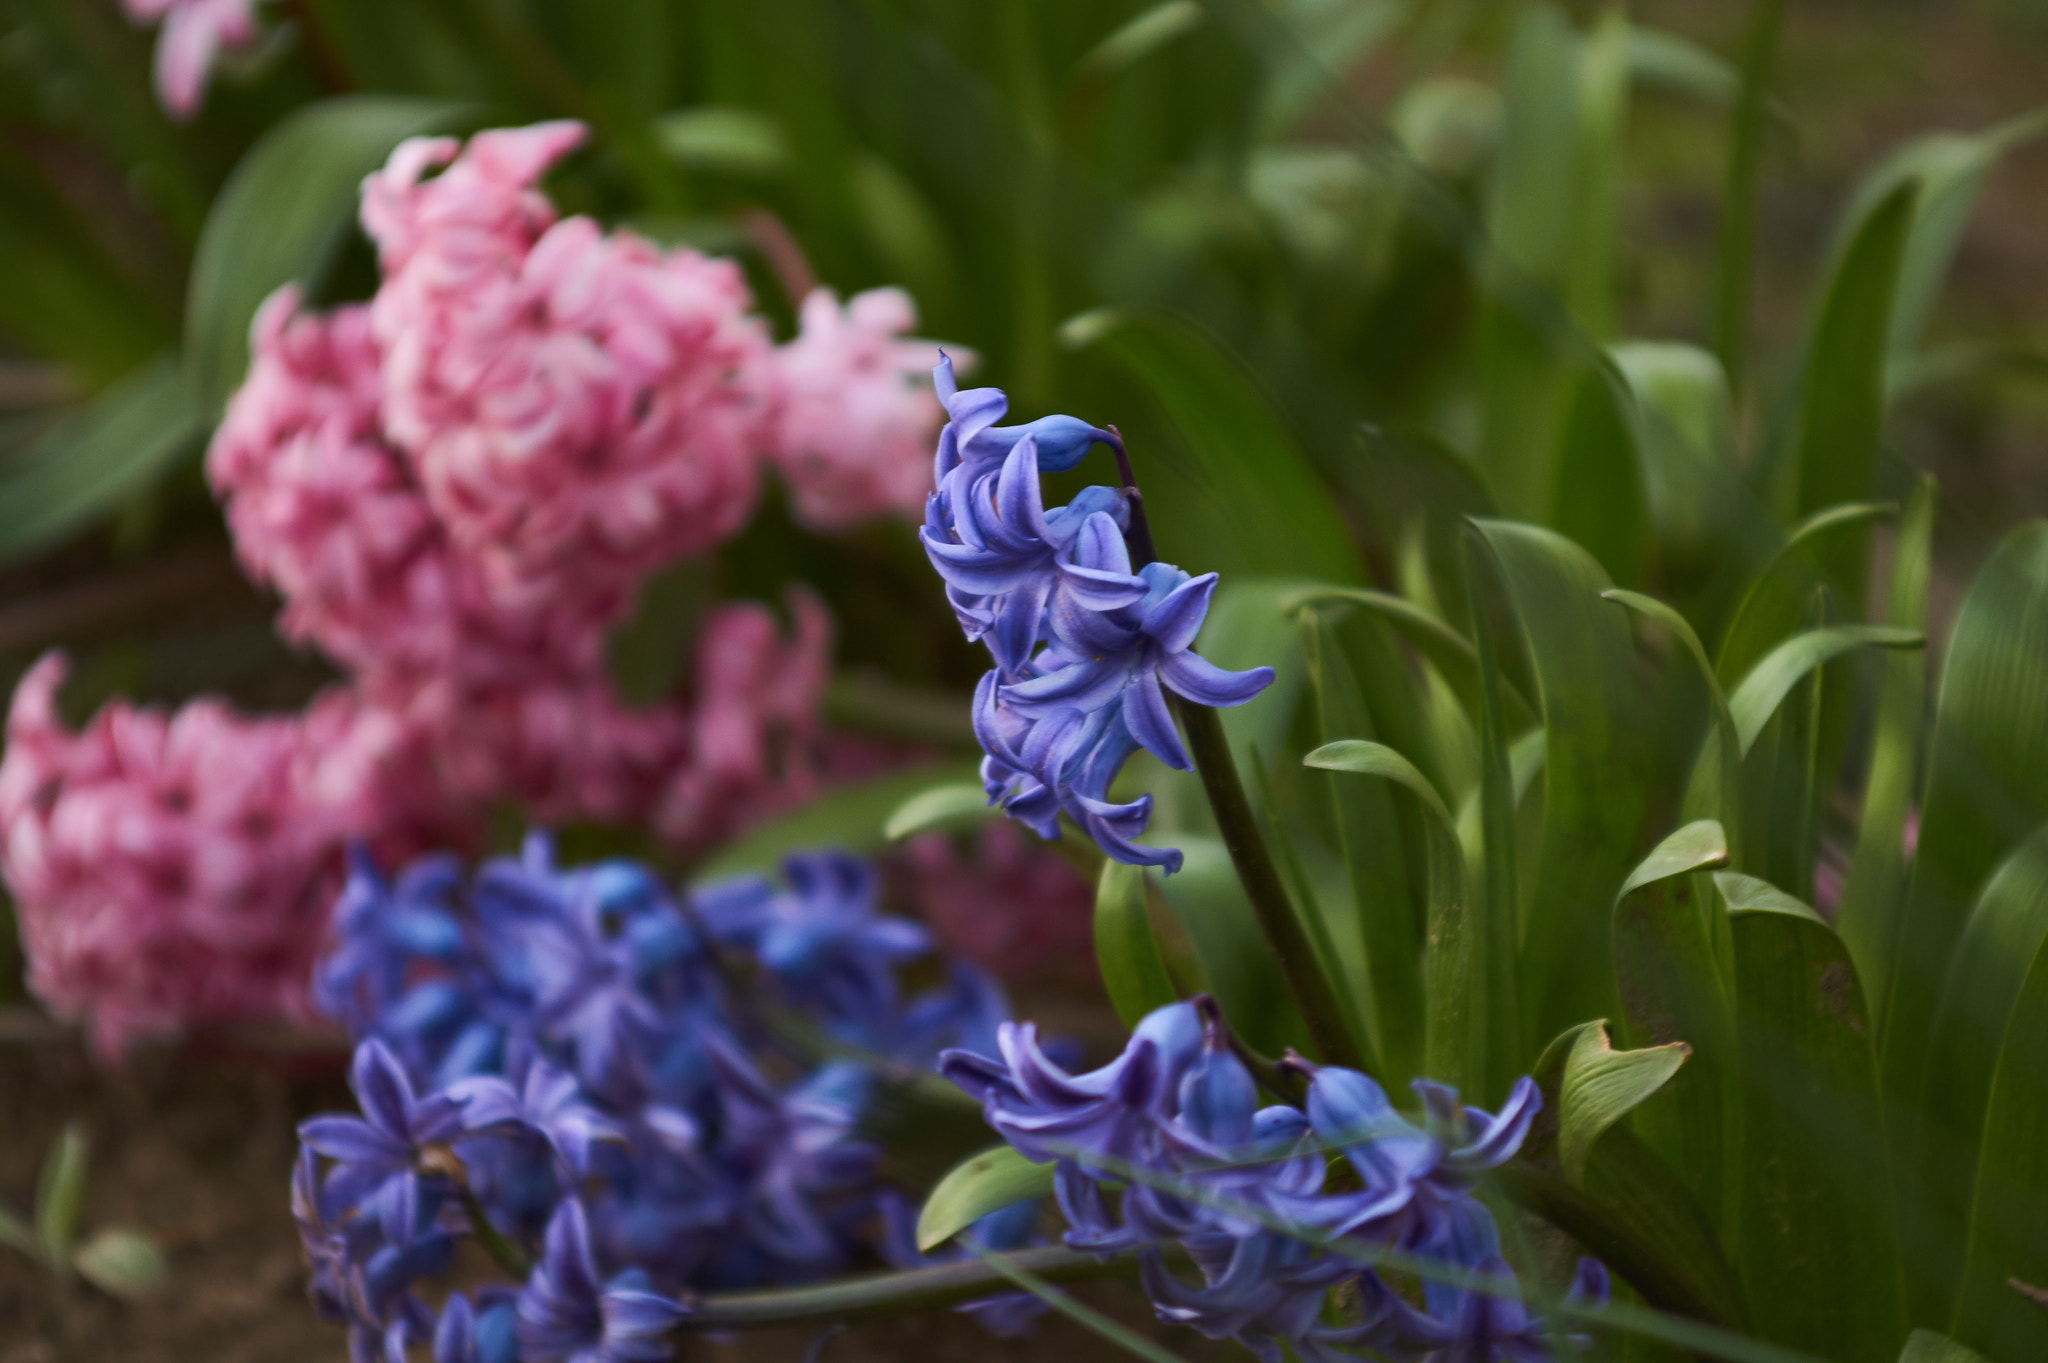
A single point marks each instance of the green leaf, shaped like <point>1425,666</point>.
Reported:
<point>1986,788</point>
<point>18,1233</point>
<point>2005,932</point>
<point>1757,698</point>
<point>1673,985</point>
<point>1384,927</point>
<point>1601,1086</point>
<point>1874,893</point>
<point>1685,418</point>
<point>1780,597</point>
<point>1714,788</point>
<point>1925,1346</point>
<point>996,1178</point>
<point>851,817</point>
<point>1455,999</point>
<point>1450,652</point>
<point>1493,1008</point>
<point>2008,1248</point>
<point>1208,902</point>
<point>120,1263</point>
<point>1817,1208</point>
<point>1126,952</point>
<point>1599,502</point>
<point>59,1192</point>
<point>714,137</point>
<point>1594,770</point>
<point>1228,489</point>
<point>1145,33</point>
<point>283,215</point>
<point>90,461</point>
<point>1842,395</point>
<point>1662,60</point>
<point>957,804</point>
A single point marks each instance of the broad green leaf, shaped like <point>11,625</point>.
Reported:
<point>283,215</point>
<point>1493,878</point>
<point>1455,999</point>
<point>120,1263</point>
<point>1601,1086</point>
<point>1595,196</point>
<point>957,804</point>
<point>1949,169</point>
<point>1384,928</point>
<point>1450,652</point>
<point>1780,597</point>
<point>1662,60</point>
<point>851,818</point>
<point>59,1192</point>
<point>996,1178</point>
<point>1656,1235</point>
<point>1714,788</point>
<point>1673,984</point>
<point>1126,952</point>
<point>715,137</point>
<point>1582,654</point>
<point>1685,435</point>
<point>1208,902</point>
<point>1229,490</point>
<point>1754,702</point>
<point>1842,394</point>
<point>1735,252</point>
<point>1986,790</point>
<point>1815,1184</point>
<point>1599,502</point>
<point>2005,932</point>
<point>90,461</point>
<point>1874,893</point>
<point>1925,1346</point>
<point>2008,1246</point>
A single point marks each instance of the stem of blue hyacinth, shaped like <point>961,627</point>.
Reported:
<point>882,1294</point>
<point>1242,838</point>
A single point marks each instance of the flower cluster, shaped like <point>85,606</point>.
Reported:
<point>457,489</point>
<point>624,1086</point>
<point>1244,1189</point>
<point>1002,901</point>
<point>194,35</point>
<point>1086,644</point>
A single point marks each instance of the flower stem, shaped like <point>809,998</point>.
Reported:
<point>503,1252</point>
<point>882,1294</point>
<point>1261,879</point>
<point>1240,829</point>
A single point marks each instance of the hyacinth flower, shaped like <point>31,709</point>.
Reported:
<point>1175,1122</point>
<point>700,1151</point>
<point>1087,642</point>
<point>195,33</point>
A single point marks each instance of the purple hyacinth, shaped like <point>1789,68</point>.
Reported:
<point>566,1315</point>
<point>1086,648</point>
<point>377,1155</point>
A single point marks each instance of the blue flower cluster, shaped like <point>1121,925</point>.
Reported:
<point>1245,1190</point>
<point>1085,645</point>
<point>625,1086</point>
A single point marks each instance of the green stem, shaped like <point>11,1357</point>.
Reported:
<point>893,1293</point>
<point>1261,879</point>
<point>503,1252</point>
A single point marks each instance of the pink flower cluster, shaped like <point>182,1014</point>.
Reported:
<point>1007,903</point>
<point>195,33</point>
<point>457,489</point>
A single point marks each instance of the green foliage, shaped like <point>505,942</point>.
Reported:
<point>996,1178</point>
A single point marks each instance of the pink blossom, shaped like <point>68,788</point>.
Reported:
<point>580,407</point>
<point>195,33</point>
<point>1009,905</point>
<point>857,416</point>
<point>163,867</point>
<point>327,513</point>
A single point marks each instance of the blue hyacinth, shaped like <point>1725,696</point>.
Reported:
<point>1086,645</point>
<point>1175,1122</point>
<point>603,1071</point>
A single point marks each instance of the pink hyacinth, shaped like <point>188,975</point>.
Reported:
<point>194,35</point>
<point>1008,904</point>
<point>163,868</point>
<point>328,514</point>
<point>580,407</point>
<point>857,416</point>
